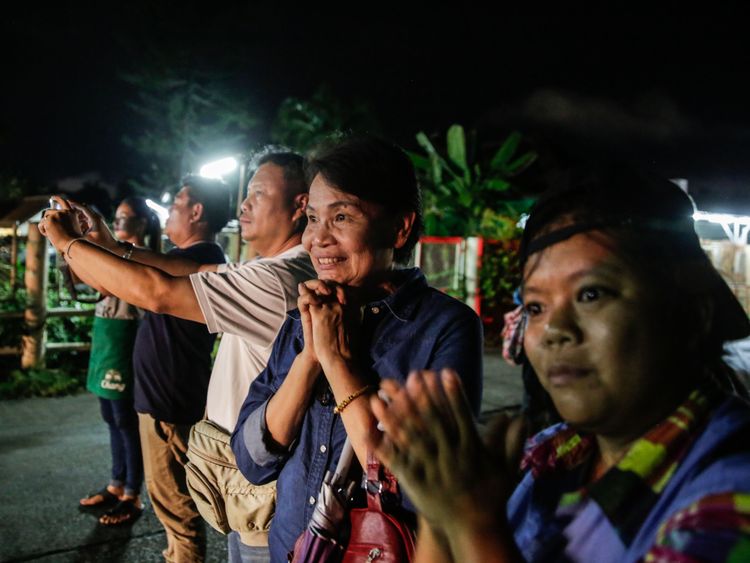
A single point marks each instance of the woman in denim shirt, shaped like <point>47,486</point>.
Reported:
<point>361,320</point>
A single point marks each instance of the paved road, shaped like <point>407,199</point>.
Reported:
<point>53,451</point>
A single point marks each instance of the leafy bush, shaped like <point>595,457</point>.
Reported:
<point>499,277</point>
<point>66,370</point>
<point>465,195</point>
<point>40,383</point>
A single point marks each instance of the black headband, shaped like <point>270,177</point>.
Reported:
<point>679,227</point>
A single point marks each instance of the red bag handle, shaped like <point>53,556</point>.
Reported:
<point>379,480</point>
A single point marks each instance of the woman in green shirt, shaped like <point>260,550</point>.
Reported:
<point>110,375</point>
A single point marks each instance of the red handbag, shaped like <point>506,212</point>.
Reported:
<point>376,534</point>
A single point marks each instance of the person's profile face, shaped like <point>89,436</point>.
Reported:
<point>268,208</point>
<point>595,335</point>
<point>178,222</point>
<point>347,237</point>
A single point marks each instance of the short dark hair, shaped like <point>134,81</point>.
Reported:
<point>293,166</point>
<point>213,194</point>
<point>153,226</point>
<point>377,171</point>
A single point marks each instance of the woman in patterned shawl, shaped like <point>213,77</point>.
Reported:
<point>625,318</point>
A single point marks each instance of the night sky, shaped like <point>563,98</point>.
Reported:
<point>660,87</point>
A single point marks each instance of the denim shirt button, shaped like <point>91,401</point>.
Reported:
<point>323,449</point>
<point>375,310</point>
<point>311,500</point>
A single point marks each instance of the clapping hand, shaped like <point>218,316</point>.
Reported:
<point>432,445</point>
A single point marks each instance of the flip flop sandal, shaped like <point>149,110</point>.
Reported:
<point>126,511</point>
<point>108,499</point>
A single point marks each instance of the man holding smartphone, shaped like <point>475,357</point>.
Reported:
<point>248,302</point>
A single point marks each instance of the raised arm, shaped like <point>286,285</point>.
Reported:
<point>331,328</point>
<point>274,409</point>
<point>141,285</point>
<point>286,409</point>
<point>98,232</point>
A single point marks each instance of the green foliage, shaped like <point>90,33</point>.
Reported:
<point>11,329</point>
<point>66,370</point>
<point>66,329</point>
<point>499,277</point>
<point>500,274</point>
<point>464,196</point>
<point>187,115</point>
<point>302,124</point>
<point>40,383</point>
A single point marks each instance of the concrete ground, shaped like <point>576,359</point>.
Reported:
<point>54,451</point>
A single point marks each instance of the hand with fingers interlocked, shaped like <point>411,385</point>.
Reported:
<point>431,443</point>
<point>326,322</point>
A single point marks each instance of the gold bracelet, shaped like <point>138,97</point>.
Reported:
<point>66,252</point>
<point>338,409</point>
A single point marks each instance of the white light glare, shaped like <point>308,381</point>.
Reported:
<point>165,197</point>
<point>161,212</point>
<point>721,218</point>
<point>218,168</point>
<point>736,227</point>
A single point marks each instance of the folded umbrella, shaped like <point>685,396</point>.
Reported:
<point>321,541</point>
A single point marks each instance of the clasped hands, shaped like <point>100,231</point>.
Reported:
<point>327,321</point>
<point>73,220</point>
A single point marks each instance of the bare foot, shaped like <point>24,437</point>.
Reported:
<point>128,509</point>
<point>105,496</point>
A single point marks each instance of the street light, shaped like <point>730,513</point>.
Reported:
<point>222,167</point>
<point>161,212</point>
<point>219,168</point>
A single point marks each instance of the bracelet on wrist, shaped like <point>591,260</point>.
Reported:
<point>338,409</point>
<point>66,253</point>
<point>128,246</point>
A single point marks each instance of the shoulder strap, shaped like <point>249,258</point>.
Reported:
<point>379,481</point>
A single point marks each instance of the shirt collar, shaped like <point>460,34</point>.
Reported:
<point>410,282</point>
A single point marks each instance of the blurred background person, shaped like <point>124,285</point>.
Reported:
<point>110,375</point>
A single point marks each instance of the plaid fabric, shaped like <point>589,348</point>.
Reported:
<point>716,528</point>
<point>627,492</point>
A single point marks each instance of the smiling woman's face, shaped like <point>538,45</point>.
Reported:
<point>597,338</point>
<point>346,236</point>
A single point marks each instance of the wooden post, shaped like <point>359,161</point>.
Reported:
<point>14,258</point>
<point>36,295</point>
